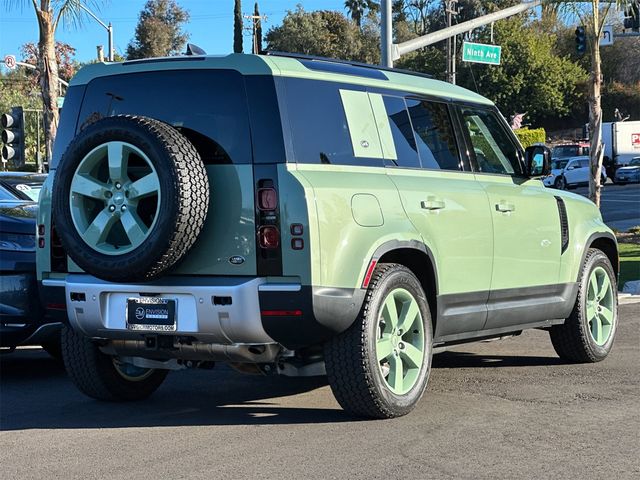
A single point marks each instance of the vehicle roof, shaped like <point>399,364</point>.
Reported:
<point>282,66</point>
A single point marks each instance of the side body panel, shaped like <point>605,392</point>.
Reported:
<point>459,235</point>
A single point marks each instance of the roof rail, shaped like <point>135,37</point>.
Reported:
<point>301,56</point>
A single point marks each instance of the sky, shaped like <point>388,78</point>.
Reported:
<point>210,25</point>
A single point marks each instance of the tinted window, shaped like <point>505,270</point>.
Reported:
<point>434,135</point>
<point>403,139</point>
<point>318,124</point>
<point>208,106</point>
<point>493,149</point>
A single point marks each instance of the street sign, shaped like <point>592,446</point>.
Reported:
<point>481,53</point>
<point>606,38</point>
<point>10,61</point>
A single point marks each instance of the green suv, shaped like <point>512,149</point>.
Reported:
<point>301,216</point>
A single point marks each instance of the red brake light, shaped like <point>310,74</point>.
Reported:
<point>41,230</point>
<point>269,237</point>
<point>281,313</point>
<point>267,199</point>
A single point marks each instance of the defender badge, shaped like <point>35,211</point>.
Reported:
<point>236,260</point>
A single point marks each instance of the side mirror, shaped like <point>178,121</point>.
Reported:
<point>537,161</point>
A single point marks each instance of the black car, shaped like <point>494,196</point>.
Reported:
<point>22,318</point>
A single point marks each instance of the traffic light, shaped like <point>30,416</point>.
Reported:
<point>632,17</point>
<point>581,40</point>
<point>13,150</point>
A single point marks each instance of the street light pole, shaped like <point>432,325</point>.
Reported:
<point>108,28</point>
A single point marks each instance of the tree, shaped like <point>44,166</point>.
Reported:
<point>358,8</point>
<point>237,27</point>
<point>531,77</point>
<point>592,16</point>
<point>325,33</point>
<point>159,30</point>
<point>64,57</point>
<point>49,14</point>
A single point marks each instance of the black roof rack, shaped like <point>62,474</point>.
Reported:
<point>300,56</point>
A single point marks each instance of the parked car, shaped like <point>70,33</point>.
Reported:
<point>22,318</point>
<point>571,173</point>
<point>297,215</point>
<point>630,173</point>
<point>569,150</point>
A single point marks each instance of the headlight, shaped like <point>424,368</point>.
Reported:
<point>16,242</point>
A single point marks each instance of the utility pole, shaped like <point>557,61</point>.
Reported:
<point>255,20</point>
<point>451,10</point>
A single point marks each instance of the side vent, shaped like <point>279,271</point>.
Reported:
<point>564,224</point>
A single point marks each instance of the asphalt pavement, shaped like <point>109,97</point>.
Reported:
<point>619,204</point>
<point>501,409</point>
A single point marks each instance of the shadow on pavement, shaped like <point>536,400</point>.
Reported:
<point>474,360</point>
<point>36,393</point>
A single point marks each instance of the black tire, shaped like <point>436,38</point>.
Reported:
<point>53,348</point>
<point>184,192</point>
<point>572,340</point>
<point>95,373</point>
<point>352,368</point>
<point>560,183</point>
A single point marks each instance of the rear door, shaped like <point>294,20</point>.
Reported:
<point>445,203</point>
<point>524,214</point>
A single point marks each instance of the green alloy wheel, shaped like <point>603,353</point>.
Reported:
<point>130,198</point>
<point>400,347</point>
<point>588,334</point>
<point>379,367</point>
<point>600,306</point>
<point>115,197</point>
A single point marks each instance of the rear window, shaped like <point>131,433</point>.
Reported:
<point>208,106</point>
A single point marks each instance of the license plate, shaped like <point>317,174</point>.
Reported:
<point>151,313</point>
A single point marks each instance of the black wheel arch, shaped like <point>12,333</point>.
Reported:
<point>607,243</point>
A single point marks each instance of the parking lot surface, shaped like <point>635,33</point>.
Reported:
<point>620,205</point>
<point>502,409</point>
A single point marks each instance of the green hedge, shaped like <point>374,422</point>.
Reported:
<point>529,137</point>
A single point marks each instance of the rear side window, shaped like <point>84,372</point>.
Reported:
<point>318,124</point>
<point>208,106</point>
<point>434,135</point>
<point>402,132</point>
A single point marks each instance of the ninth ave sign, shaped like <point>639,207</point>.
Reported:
<point>481,53</point>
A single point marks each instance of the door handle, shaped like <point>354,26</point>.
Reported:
<point>505,207</point>
<point>432,203</point>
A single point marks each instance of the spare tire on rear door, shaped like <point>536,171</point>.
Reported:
<point>130,198</point>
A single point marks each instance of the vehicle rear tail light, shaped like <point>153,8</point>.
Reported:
<point>267,199</point>
<point>41,230</point>
<point>297,229</point>
<point>41,242</point>
<point>297,244</point>
<point>269,237</point>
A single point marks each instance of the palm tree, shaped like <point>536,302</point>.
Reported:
<point>357,9</point>
<point>49,14</point>
<point>592,15</point>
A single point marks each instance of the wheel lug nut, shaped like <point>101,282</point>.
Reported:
<point>401,345</point>
<point>112,208</point>
<point>123,208</point>
<point>118,185</point>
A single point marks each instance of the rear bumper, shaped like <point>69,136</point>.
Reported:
<point>214,310</point>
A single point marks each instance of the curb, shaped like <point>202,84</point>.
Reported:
<point>627,298</point>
